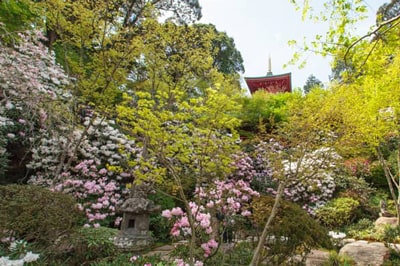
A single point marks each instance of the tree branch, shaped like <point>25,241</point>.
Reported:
<point>374,32</point>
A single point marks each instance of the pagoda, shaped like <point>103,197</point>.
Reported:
<point>270,83</point>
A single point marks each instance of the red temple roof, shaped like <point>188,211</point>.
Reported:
<point>270,83</point>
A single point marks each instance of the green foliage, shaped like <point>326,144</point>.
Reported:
<point>293,231</point>
<point>17,15</point>
<point>127,259</point>
<point>391,234</point>
<point>37,214</point>
<point>354,187</point>
<point>266,109</point>
<point>348,186</point>
<point>338,212</point>
<point>388,11</point>
<point>239,254</point>
<point>394,258</point>
<point>227,59</point>
<point>160,226</point>
<point>183,133</point>
<point>363,229</point>
<point>340,16</point>
<point>377,177</point>
<point>338,260</point>
<point>93,244</point>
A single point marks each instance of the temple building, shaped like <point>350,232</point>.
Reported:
<point>270,83</point>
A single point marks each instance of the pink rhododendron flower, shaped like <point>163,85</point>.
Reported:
<point>166,214</point>
<point>176,211</point>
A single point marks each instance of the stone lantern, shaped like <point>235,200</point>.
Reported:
<point>134,234</point>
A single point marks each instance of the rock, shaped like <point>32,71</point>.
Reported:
<point>366,254</point>
<point>317,257</point>
<point>382,221</point>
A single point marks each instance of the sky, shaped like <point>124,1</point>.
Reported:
<point>262,28</point>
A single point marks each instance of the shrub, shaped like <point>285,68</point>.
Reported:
<point>293,231</point>
<point>363,229</point>
<point>336,259</point>
<point>36,214</point>
<point>338,212</point>
<point>377,177</point>
<point>391,234</point>
<point>129,260</point>
<point>93,244</point>
<point>240,254</point>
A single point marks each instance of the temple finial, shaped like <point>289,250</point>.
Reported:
<point>269,73</point>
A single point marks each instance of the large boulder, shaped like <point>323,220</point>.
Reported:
<point>317,258</point>
<point>365,253</point>
<point>384,221</point>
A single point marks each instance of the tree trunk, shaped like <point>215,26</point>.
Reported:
<point>257,252</point>
<point>389,179</point>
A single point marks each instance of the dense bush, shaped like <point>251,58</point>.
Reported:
<point>377,177</point>
<point>338,212</point>
<point>357,188</point>
<point>36,214</point>
<point>240,254</point>
<point>293,231</point>
<point>92,244</point>
<point>363,229</point>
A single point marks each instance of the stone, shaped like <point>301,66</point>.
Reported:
<point>365,253</point>
<point>317,257</point>
<point>383,221</point>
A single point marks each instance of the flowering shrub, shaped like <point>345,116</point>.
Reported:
<point>310,179</point>
<point>219,203</point>
<point>96,193</point>
<point>101,143</point>
<point>35,119</point>
<point>359,167</point>
<point>18,254</point>
<point>31,84</point>
<point>96,178</point>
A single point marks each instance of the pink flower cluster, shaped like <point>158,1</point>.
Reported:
<point>97,195</point>
<point>209,246</point>
<point>181,225</point>
<point>228,197</point>
<point>358,166</point>
<point>181,262</point>
<point>202,223</point>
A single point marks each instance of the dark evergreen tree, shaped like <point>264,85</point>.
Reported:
<point>311,83</point>
<point>388,11</point>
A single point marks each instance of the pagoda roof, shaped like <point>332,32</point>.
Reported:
<point>270,83</point>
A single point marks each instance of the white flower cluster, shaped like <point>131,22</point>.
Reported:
<point>102,143</point>
<point>18,248</point>
<point>106,143</point>
<point>311,177</point>
<point>28,257</point>
<point>31,82</point>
